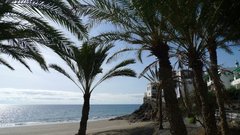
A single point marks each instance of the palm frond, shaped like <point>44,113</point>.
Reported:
<point>123,64</point>
<point>121,72</point>
<point>106,10</point>
<point>226,48</point>
<point>111,36</point>
<point>149,67</point>
<point>23,25</point>
<point>115,73</point>
<point>39,59</point>
<point>117,70</point>
<point>16,53</point>
<point>58,11</point>
<point>140,51</point>
<point>3,62</point>
<point>116,54</point>
<point>62,71</point>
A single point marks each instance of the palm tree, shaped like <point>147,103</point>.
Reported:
<point>153,77</point>
<point>87,65</point>
<point>212,46</point>
<point>220,32</point>
<point>140,23</point>
<point>183,17</point>
<point>37,11</point>
<point>207,28</point>
<point>24,25</point>
<point>210,29</point>
<point>181,61</point>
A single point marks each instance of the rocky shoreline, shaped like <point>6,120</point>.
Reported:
<point>146,112</point>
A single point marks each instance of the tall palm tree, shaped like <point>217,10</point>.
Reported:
<point>24,25</point>
<point>220,31</point>
<point>151,73</point>
<point>140,23</point>
<point>209,28</point>
<point>183,17</point>
<point>206,27</point>
<point>181,61</point>
<point>86,63</point>
<point>211,35</point>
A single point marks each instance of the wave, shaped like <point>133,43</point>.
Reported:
<point>12,116</point>
<point>47,122</point>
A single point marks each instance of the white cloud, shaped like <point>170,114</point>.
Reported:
<point>117,98</point>
<point>27,96</point>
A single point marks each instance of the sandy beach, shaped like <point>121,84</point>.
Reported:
<point>94,128</point>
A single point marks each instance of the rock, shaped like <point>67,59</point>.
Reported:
<point>235,123</point>
<point>146,112</point>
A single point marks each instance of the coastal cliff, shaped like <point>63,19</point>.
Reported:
<point>146,112</point>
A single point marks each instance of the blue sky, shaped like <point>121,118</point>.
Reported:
<point>39,87</point>
<point>23,87</point>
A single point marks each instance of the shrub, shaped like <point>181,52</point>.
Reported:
<point>233,93</point>
<point>192,120</point>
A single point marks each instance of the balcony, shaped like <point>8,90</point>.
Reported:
<point>209,83</point>
<point>235,82</point>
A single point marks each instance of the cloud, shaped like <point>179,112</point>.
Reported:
<point>27,96</point>
<point>117,98</point>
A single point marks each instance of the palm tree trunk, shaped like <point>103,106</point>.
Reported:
<point>186,97</point>
<point>85,112</point>
<point>159,105</point>
<point>160,111</point>
<point>177,125</point>
<point>157,102</point>
<point>218,88</point>
<point>207,110</point>
<point>184,102</point>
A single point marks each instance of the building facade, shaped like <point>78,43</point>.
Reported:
<point>151,92</point>
<point>183,81</point>
<point>226,76</point>
<point>230,77</point>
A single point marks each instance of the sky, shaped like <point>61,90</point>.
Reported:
<point>39,87</point>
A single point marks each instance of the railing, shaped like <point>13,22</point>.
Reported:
<point>235,82</point>
<point>230,114</point>
<point>209,83</point>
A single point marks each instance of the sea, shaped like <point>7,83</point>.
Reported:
<point>22,115</point>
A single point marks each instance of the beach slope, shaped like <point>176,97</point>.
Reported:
<point>94,128</point>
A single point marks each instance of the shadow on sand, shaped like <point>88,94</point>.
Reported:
<point>147,130</point>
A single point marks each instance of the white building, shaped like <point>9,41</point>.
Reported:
<point>184,82</point>
<point>151,91</point>
<point>236,77</point>
<point>183,78</point>
<point>230,77</point>
<point>226,76</point>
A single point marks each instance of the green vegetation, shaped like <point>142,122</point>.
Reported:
<point>233,93</point>
<point>192,120</point>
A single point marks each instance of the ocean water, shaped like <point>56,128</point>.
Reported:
<point>18,115</point>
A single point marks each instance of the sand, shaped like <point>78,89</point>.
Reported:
<point>100,127</point>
